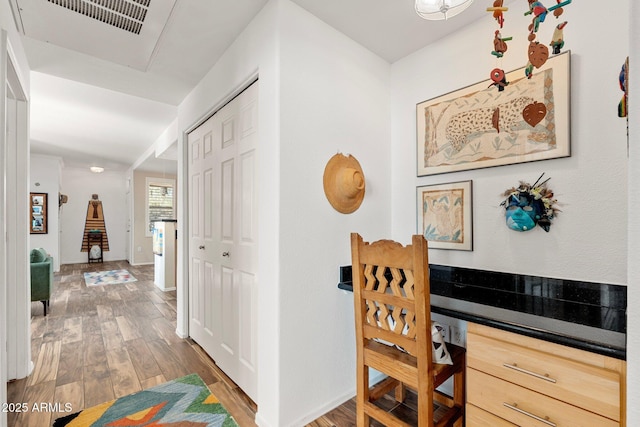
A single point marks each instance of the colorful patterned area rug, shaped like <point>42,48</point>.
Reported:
<point>111,277</point>
<point>185,402</point>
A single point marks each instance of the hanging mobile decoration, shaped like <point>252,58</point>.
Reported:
<point>498,11</point>
<point>623,79</point>
<point>499,45</point>
<point>539,53</point>
<point>557,40</point>
<point>529,205</point>
<point>499,79</point>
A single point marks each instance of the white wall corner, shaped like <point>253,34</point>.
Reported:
<point>167,138</point>
<point>633,249</point>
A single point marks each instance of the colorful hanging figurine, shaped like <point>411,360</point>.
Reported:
<point>498,11</point>
<point>499,79</point>
<point>538,53</point>
<point>624,80</point>
<point>557,40</point>
<point>499,44</point>
<point>559,10</point>
<point>499,48</point>
<point>529,205</point>
<point>539,12</point>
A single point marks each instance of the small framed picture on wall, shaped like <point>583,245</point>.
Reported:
<point>38,213</point>
<point>445,215</point>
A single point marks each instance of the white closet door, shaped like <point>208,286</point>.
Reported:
<point>223,238</point>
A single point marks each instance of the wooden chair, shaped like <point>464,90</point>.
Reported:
<point>392,303</point>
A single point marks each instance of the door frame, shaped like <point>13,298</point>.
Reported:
<point>182,267</point>
<point>14,303</point>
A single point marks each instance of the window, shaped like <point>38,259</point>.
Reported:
<point>160,200</point>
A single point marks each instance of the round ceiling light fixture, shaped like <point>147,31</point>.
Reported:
<point>96,169</point>
<point>436,10</point>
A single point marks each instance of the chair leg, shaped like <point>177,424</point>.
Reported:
<point>44,303</point>
<point>401,392</point>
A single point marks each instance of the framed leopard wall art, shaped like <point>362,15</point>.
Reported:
<point>480,126</point>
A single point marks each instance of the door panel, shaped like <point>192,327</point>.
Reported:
<point>227,208</point>
<point>229,326</point>
<point>209,323</point>
<point>247,197</point>
<point>248,306</point>
<point>196,281</point>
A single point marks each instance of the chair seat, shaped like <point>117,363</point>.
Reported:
<point>387,358</point>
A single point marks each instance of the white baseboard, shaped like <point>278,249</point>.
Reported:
<point>260,422</point>
<point>374,378</point>
<point>328,407</point>
<point>181,334</point>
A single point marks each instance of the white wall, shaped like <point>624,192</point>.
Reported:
<point>595,238</point>
<point>588,239</point>
<point>314,83</point>
<point>633,296</point>
<point>167,138</point>
<point>79,185</point>
<point>254,51</point>
<point>46,171</point>
<point>334,98</point>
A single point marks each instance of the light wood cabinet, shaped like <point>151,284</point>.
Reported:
<point>529,382</point>
<point>480,418</point>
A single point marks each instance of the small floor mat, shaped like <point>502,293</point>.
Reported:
<point>111,277</point>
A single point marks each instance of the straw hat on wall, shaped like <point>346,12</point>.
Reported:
<point>344,183</point>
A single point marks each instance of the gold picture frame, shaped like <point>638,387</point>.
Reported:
<point>38,206</point>
<point>445,215</point>
<point>481,126</point>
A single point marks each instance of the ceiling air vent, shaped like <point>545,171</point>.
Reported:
<point>127,15</point>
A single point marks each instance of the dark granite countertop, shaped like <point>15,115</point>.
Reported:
<point>585,315</point>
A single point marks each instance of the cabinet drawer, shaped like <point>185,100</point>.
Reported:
<point>476,417</point>
<point>525,407</point>
<point>590,387</point>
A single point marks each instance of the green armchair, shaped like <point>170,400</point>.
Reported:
<point>41,277</point>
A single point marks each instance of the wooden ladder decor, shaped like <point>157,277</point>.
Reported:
<point>94,221</point>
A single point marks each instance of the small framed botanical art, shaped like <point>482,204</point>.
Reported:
<point>445,215</point>
<point>38,213</point>
<point>479,126</point>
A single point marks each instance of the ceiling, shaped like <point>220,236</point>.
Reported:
<point>102,93</point>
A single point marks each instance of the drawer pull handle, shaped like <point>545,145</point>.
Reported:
<point>514,407</point>
<point>533,374</point>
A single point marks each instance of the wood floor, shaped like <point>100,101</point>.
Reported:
<point>345,414</point>
<point>99,343</point>
<point>102,342</point>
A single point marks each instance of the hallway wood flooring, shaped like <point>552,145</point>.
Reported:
<point>99,343</point>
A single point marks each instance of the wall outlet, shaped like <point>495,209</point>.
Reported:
<point>457,336</point>
<point>139,248</point>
